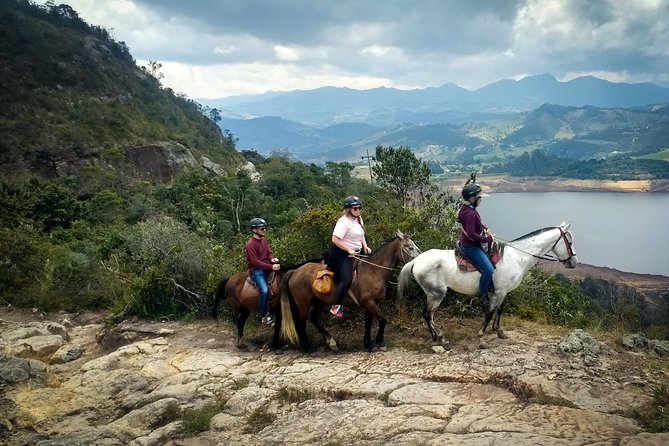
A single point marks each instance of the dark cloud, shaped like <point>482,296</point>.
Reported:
<point>257,45</point>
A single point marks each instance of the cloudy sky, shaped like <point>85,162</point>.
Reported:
<point>219,48</point>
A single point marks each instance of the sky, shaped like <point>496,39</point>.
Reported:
<point>220,48</point>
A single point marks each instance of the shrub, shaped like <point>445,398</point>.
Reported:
<point>169,263</point>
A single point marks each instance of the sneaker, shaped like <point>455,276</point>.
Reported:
<point>337,310</point>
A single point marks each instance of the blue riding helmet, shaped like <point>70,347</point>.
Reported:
<point>470,190</point>
<point>257,223</point>
<point>351,201</point>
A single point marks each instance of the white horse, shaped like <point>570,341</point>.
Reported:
<point>436,271</point>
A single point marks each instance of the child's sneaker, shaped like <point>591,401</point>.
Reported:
<point>337,310</point>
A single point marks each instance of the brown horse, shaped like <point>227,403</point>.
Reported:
<point>367,290</point>
<point>242,297</point>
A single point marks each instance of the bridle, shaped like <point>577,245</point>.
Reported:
<point>567,243</point>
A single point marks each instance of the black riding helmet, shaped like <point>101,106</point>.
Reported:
<point>470,190</point>
<point>351,201</point>
<point>257,223</point>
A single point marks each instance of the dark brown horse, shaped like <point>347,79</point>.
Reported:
<point>242,297</point>
<point>367,290</point>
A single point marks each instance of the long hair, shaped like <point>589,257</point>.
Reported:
<point>347,212</point>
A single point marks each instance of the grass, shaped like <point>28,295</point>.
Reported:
<point>661,155</point>
<point>293,395</point>
<point>653,416</point>
<point>199,420</point>
<point>258,420</point>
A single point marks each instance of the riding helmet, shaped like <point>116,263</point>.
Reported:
<point>351,201</point>
<point>470,190</point>
<point>258,223</point>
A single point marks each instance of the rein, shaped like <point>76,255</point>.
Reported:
<point>562,237</point>
<point>359,257</point>
<point>403,252</point>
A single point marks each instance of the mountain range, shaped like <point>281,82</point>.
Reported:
<point>341,123</point>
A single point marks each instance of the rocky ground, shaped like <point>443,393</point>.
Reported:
<point>73,379</point>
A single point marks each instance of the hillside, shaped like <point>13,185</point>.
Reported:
<point>72,96</point>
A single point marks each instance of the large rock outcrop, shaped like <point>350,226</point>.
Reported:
<point>145,392</point>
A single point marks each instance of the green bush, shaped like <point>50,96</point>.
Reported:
<point>169,262</point>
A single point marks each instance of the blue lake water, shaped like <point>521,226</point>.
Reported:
<point>625,231</point>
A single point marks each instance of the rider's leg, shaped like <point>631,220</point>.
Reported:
<point>345,279</point>
<point>478,256</point>
<point>260,280</point>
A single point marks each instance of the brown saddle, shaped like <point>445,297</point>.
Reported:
<point>465,265</point>
<point>250,286</point>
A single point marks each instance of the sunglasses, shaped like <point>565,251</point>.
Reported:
<point>262,229</point>
<point>356,208</point>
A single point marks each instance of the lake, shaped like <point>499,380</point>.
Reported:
<point>625,231</point>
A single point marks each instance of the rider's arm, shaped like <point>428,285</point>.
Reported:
<point>254,253</point>
<point>468,222</point>
<point>339,243</point>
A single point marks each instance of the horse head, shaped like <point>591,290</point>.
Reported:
<point>563,247</point>
<point>407,249</point>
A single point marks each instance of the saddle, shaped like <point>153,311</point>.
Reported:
<point>270,278</point>
<point>465,265</point>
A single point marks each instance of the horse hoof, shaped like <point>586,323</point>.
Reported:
<point>483,345</point>
<point>278,351</point>
<point>242,346</point>
<point>383,348</point>
<point>502,335</point>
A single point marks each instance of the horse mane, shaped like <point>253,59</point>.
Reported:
<point>532,234</point>
<point>382,247</point>
<point>288,268</point>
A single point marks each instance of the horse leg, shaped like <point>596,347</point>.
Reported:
<point>317,319</point>
<point>277,344</point>
<point>367,338</point>
<point>380,341</point>
<point>431,304</point>
<point>241,322</point>
<point>495,324</point>
<point>486,320</point>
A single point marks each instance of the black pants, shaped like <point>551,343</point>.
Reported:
<point>342,265</point>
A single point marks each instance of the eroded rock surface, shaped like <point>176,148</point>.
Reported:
<point>142,392</point>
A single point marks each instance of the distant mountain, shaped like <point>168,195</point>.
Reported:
<point>577,133</point>
<point>385,107</point>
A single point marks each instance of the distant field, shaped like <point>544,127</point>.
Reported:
<point>663,155</point>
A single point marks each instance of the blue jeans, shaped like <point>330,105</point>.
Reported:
<point>480,258</point>
<point>260,279</point>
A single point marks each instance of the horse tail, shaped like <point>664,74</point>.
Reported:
<point>220,293</point>
<point>403,282</point>
<point>288,330</point>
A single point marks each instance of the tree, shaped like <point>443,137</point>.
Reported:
<point>339,173</point>
<point>398,170</point>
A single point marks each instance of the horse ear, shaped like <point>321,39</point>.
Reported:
<point>399,234</point>
<point>565,226</point>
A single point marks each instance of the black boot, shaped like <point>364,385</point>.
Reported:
<point>485,302</point>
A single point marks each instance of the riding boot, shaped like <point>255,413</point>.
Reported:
<point>485,302</point>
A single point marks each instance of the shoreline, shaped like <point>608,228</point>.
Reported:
<point>510,184</point>
<point>652,286</point>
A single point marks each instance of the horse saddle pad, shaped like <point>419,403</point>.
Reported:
<point>465,265</point>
